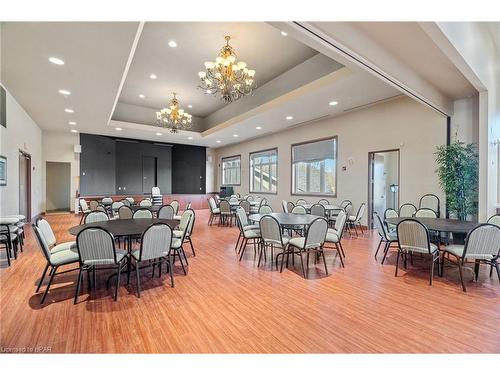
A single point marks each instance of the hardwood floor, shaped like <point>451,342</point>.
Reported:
<point>227,306</point>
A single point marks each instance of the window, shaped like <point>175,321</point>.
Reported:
<point>264,171</point>
<point>231,170</point>
<point>314,168</point>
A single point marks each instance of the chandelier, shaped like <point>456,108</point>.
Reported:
<point>174,118</point>
<point>225,76</point>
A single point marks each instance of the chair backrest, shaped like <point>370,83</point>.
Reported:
<point>270,231</point>
<point>245,205</point>
<point>125,212</point>
<point>46,230</point>
<point>191,221</point>
<point>316,233</point>
<point>83,204</point>
<point>101,208</point>
<point>379,226</point>
<point>116,205</point>
<point>483,240</point>
<point>107,200</point>
<point>318,210</point>
<point>413,236</point>
<point>96,246</point>
<point>495,220</point>
<point>142,213</point>
<point>425,212</point>
<point>96,216</point>
<point>300,210</point>
<point>233,200</point>
<point>126,202</point>
<point>301,201</point>
<point>233,196</point>
<point>361,212</point>
<point>166,212</point>
<point>430,201</point>
<point>225,207</point>
<point>250,198</point>
<point>340,223</point>
<point>265,209</point>
<point>241,218</point>
<point>284,206</point>
<point>93,204</point>
<point>323,201</point>
<point>348,209</point>
<point>188,206</point>
<point>131,200</point>
<point>155,191</point>
<point>407,210</point>
<point>290,206</point>
<point>390,213</point>
<point>145,203</point>
<point>211,204</point>
<point>175,205</point>
<point>42,243</point>
<point>186,218</point>
<point>345,203</point>
<point>155,241</point>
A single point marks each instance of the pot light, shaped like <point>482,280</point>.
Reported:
<point>217,141</point>
<point>235,135</point>
<point>64,92</point>
<point>258,127</point>
<point>289,117</point>
<point>190,137</point>
<point>72,122</point>
<point>190,106</point>
<point>159,134</point>
<point>141,96</point>
<point>68,110</point>
<point>119,129</point>
<point>74,131</point>
<point>333,103</point>
<point>283,33</point>
<point>172,44</point>
<point>55,60</point>
<point>153,76</point>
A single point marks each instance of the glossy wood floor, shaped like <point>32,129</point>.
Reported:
<point>226,306</point>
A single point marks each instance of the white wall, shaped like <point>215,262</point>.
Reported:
<point>59,147</point>
<point>398,124</point>
<point>22,133</point>
<point>465,120</point>
<point>211,171</point>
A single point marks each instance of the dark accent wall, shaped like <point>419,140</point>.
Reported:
<point>188,169</point>
<point>115,166</point>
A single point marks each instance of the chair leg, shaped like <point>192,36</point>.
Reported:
<point>48,285</point>
<point>340,255</point>
<point>118,281</point>
<point>182,263</point>
<point>41,279</point>
<point>171,270</point>
<point>243,247</point>
<point>78,282</point>
<point>476,270</point>
<point>386,250</point>
<point>378,247</point>
<point>238,241</point>
<point>137,264</point>
<point>191,244</point>
<point>302,264</point>
<point>433,264</point>
<point>324,260</point>
<point>497,267</point>
<point>397,263</point>
<point>461,275</point>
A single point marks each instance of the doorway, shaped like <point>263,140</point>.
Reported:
<point>383,182</point>
<point>25,184</point>
<point>148,173</point>
<point>58,186</point>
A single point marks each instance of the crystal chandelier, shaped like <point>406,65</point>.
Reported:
<point>225,76</point>
<point>174,118</point>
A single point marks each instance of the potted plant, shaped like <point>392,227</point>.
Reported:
<point>458,176</point>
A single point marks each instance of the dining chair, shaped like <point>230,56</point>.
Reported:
<point>354,221</point>
<point>246,234</point>
<point>413,237</point>
<point>301,201</point>
<point>214,210</point>
<point>142,213</point>
<point>495,220</point>
<point>284,206</point>
<point>430,201</point>
<point>101,208</point>
<point>324,201</point>
<point>245,225</point>
<point>93,205</point>
<point>271,237</point>
<point>154,250</point>
<point>179,238</point>
<point>84,208</point>
<point>482,245</point>
<point>177,216</point>
<point>250,198</point>
<point>126,202</point>
<point>131,200</point>
<point>425,212</point>
<point>10,240</point>
<point>388,214</point>
<point>55,259</point>
<point>334,235</point>
<point>96,248</point>
<point>96,216</point>
<point>115,206</point>
<point>245,205</point>
<point>289,206</point>
<point>226,213</point>
<point>299,210</point>
<point>312,242</point>
<point>185,228</point>
<point>175,206</point>
<point>107,201</point>
<point>166,212</point>
<point>145,203</point>
<point>125,212</point>
<point>407,210</point>
<point>265,210</point>
<point>386,237</point>
<point>318,210</point>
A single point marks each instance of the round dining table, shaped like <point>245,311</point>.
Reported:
<point>124,227</point>
<point>438,224</point>
<point>328,207</point>
<point>154,208</point>
<point>286,219</point>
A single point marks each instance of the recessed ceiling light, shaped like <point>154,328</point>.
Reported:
<point>153,76</point>
<point>55,60</point>
<point>217,141</point>
<point>190,106</point>
<point>289,117</point>
<point>333,103</point>
<point>258,127</point>
<point>283,33</point>
<point>74,131</point>
<point>172,44</point>
<point>141,96</point>
<point>235,135</point>
<point>119,129</point>
<point>64,92</point>
<point>72,123</point>
<point>190,137</point>
<point>159,134</point>
<point>68,110</point>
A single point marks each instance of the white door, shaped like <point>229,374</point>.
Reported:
<point>379,184</point>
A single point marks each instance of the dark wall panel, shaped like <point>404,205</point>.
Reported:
<point>188,169</point>
<point>97,165</point>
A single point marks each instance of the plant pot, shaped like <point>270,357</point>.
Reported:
<point>459,238</point>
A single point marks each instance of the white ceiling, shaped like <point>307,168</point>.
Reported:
<point>260,45</point>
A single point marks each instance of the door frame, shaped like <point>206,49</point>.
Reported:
<point>28,183</point>
<point>370,180</point>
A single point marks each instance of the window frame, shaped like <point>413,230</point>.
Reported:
<point>222,169</point>
<point>292,165</point>
<point>250,175</point>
